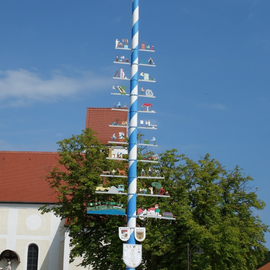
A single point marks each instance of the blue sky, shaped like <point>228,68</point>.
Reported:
<point>213,63</point>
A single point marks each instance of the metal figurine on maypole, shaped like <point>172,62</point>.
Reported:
<point>132,252</point>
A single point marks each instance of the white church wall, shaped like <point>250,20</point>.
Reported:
<point>76,262</point>
<point>22,225</point>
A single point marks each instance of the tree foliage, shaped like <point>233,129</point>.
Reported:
<point>214,208</point>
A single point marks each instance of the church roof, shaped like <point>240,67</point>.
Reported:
<point>99,120</point>
<point>23,174</point>
<point>265,267</point>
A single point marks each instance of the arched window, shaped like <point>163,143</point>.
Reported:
<point>32,257</point>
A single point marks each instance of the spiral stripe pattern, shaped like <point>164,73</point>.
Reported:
<point>133,123</point>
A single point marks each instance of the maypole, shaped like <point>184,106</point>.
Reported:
<point>132,252</point>
<point>133,124</point>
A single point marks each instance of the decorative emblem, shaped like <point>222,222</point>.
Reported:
<point>124,233</point>
<point>140,233</point>
<point>132,255</point>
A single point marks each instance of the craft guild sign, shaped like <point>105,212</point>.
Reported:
<point>124,233</point>
<point>140,233</point>
<point>132,255</point>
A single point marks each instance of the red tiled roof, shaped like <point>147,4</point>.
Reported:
<point>99,120</point>
<point>22,176</point>
<point>265,267</point>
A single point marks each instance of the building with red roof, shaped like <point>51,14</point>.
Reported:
<point>28,238</point>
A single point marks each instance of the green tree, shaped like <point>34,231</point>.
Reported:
<point>95,238</point>
<point>266,259</point>
<point>213,208</point>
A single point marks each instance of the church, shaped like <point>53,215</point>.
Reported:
<point>28,239</point>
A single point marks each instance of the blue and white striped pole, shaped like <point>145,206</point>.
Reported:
<point>133,123</point>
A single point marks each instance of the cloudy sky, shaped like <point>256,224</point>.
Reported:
<point>213,64</point>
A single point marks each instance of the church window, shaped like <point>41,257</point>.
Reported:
<point>32,257</point>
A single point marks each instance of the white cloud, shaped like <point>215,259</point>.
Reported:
<point>22,87</point>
